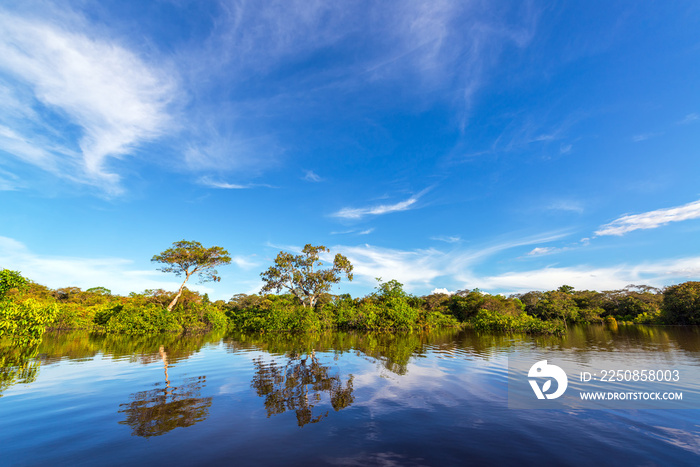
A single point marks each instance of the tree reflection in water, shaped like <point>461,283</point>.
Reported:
<point>298,386</point>
<point>158,411</point>
<point>17,362</point>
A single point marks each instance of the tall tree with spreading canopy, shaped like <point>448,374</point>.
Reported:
<point>298,274</point>
<point>189,258</point>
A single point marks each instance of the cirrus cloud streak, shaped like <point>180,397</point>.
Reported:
<point>359,213</point>
<point>650,220</point>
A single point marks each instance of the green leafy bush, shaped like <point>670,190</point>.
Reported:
<point>142,319</point>
<point>648,318</point>
<point>76,316</point>
<point>681,303</point>
<point>486,320</point>
<point>343,311</point>
<point>368,316</point>
<point>279,313</point>
<point>214,317</point>
<point>436,319</point>
<point>28,318</point>
<point>10,280</point>
<point>388,308</point>
<point>398,314</point>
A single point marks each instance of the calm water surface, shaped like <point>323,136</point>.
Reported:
<point>342,399</point>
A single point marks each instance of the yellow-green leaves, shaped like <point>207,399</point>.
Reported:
<point>27,318</point>
<point>189,258</point>
<point>10,280</point>
<point>301,274</point>
<point>186,257</point>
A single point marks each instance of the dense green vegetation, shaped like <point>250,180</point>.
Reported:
<point>34,307</point>
<point>27,309</point>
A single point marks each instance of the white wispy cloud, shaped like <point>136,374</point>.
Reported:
<point>216,141</point>
<point>690,118</point>
<point>644,136</point>
<point>411,268</point>
<point>244,262</point>
<point>546,137</point>
<point>650,220</point>
<point>359,213</point>
<point>62,71</point>
<point>378,210</point>
<point>429,269</point>
<point>416,268</point>
<point>421,268</point>
<point>549,250</point>
<point>27,149</point>
<point>539,251</point>
<point>417,46</point>
<point>343,232</point>
<point>9,181</point>
<point>115,98</point>
<point>206,181</point>
<point>447,238</point>
<point>117,274</point>
<point>354,232</point>
<point>310,176</point>
<point>537,129</point>
<point>219,184</point>
<point>585,277</point>
<point>566,205</point>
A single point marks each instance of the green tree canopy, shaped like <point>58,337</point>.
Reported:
<point>389,289</point>
<point>566,289</point>
<point>99,290</point>
<point>556,304</point>
<point>190,258</point>
<point>299,274</point>
<point>681,303</point>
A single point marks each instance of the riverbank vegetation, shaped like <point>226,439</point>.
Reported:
<point>27,309</point>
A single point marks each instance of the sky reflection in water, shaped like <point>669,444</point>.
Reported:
<point>435,398</point>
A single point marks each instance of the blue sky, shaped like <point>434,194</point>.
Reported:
<point>509,146</point>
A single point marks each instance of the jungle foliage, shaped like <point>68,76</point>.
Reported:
<point>27,309</point>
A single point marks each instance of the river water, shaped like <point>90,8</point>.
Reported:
<point>347,399</point>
